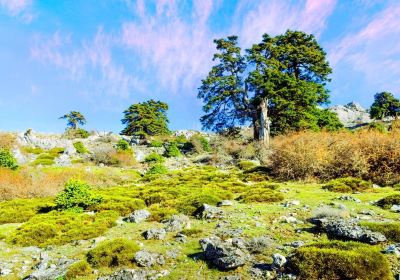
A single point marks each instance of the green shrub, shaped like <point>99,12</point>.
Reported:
<point>172,150</point>
<point>344,185</point>
<point>156,144</point>
<point>76,194</point>
<point>113,253</point>
<point>76,133</point>
<point>21,210</point>
<point>340,260</point>
<point>389,201</point>
<point>157,169</point>
<point>80,268</point>
<point>44,159</point>
<point>57,228</point>
<point>246,165</point>
<point>7,160</point>
<point>188,205</point>
<point>389,229</point>
<point>32,150</point>
<point>192,232</point>
<point>80,148</point>
<point>154,158</point>
<point>377,126</point>
<point>159,212</point>
<point>260,194</point>
<point>123,145</point>
<point>55,152</point>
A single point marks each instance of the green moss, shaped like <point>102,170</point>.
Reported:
<point>113,253</point>
<point>389,229</point>
<point>80,268</point>
<point>340,260</point>
<point>80,148</point>
<point>57,228</point>
<point>389,201</point>
<point>21,210</point>
<point>345,185</point>
<point>44,159</point>
<point>192,232</point>
<point>32,150</point>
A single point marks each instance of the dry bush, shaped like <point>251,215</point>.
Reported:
<point>366,154</point>
<point>7,140</point>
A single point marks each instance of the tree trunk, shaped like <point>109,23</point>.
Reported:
<point>261,123</point>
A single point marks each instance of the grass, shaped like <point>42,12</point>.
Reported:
<point>389,229</point>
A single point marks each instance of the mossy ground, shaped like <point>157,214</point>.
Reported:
<point>182,191</point>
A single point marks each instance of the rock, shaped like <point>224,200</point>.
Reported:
<point>230,277</point>
<point>52,272</point>
<point>229,232</point>
<point>147,259</point>
<point>291,203</point>
<point>5,271</point>
<point>134,274</point>
<point>177,223</point>
<point>278,260</point>
<point>172,254</point>
<point>393,249</point>
<point>155,233</point>
<point>223,203</point>
<point>291,220</point>
<point>349,198</point>
<point>181,238</point>
<point>224,255</point>
<point>296,244</point>
<point>208,212</point>
<point>368,212</point>
<point>138,216</point>
<point>258,273</point>
<point>63,160</point>
<point>351,114</point>
<point>395,208</point>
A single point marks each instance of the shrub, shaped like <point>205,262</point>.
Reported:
<point>76,194</point>
<point>123,145</point>
<point>55,152</point>
<point>344,185</point>
<point>21,210</point>
<point>32,150</point>
<point>7,141</point>
<point>188,205</point>
<point>76,133</point>
<point>389,229</point>
<point>340,260</point>
<point>156,144</point>
<point>44,159</point>
<point>57,228</point>
<point>157,169</point>
<point>113,253</point>
<point>7,160</point>
<point>172,150</point>
<point>154,158</point>
<point>260,194</point>
<point>198,144</point>
<point>246,165</point>
<point>330,212</point>
<point>80,268</point>
<point>159,212</point>
<point>124,158</point>
<point>80,148</point>
<point>389,201</point>
<point>192,232</point>
<point>377,126</point>
<point>104,156</point>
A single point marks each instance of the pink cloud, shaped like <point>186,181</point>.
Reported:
<point>15,7</point>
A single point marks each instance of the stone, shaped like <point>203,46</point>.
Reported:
<point>155,233</point>
<point>231,277</point>
<point>349,198</point>
<point>351,114</point>
<point>177,223</point>
<point>128,274</point>
<point>181,238</point>
<point>291,203</point>
<point>278,260</point>
<point>138,216</point>
<point>223,203</point>
<point>296,244</point>
<point>393,249</point>
<point>147,259</point>
<point>5,271</point>
<point>395,208</point>
<point>208,212</point>
<point>50,273</point>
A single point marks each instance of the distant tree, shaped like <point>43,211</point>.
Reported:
<point>385,105</point>
<point>73,119</point>
<point>277,86</point>
<point>146,119</point>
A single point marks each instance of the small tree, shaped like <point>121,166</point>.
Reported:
<point>74,118</point>
<point>385,105</point>
<point>146,119</point>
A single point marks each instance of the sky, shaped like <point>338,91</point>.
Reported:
<point>100,56</point>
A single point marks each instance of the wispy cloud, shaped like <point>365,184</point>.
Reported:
<point>18,8</point>
<point>91,62</point>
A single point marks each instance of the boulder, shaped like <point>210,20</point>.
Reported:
<point>134,274</point>
<point>155,233</point>
<point>393,249</point>
<point>349,198</point>
<point>177,223</point>
<point>351,114</point>
<point>51,272</point>
<point>223,203</point>
<point>138,216</point>
<point>395,208</point>
<point>147,259</point>
<point>278,260</point>
<point>208,212</point>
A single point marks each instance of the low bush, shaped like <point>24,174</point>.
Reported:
<point>340,260</point>
<point>113,253</point>
<point>389,201</point>
<point>55,152</point>
<point>246,165</point>
<point>345,185</point>
<point>76,195</point>
<point>330,212</point>
<point>7,140</point>
<point>44,159</point>
<point>377,126</point>
<point>76,133</point>
<point>188,205</point>
<point>389,229</point>
<point>192,232</point>
<point>21,210</point>
<point>172,150</point>
<point>156,144</point>
<point>154,158</point>
<point>7,160</point>
<point>57,228</point>
<point>123,145</point>
<point>80,148</point>
<point>157,169</point>
<point>260,194</point>
<point>160,212</point>
<point>80,268</point>
<point>32,150</point>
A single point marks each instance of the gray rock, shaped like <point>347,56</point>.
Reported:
<point>208,212</point>
<point>177,223</point>
<point>138,216</point>
<point>351,114</point>
<point>147,259</point>
<point>258,273</point>
<point>223,203</point>
<point>4,271</point>
<point>230,277</point>
<point>133,274</point>
<point>155,233</point>
<point>291,203</point>
<point>393,249</point>
<point>395,208</point>
<point>349,198</point>
<point>278,260</point>
<point>181,238</point>
<point>52,272</point>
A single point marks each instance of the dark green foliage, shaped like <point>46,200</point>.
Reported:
<point>146,119</point>
<point>377,126</point>
<point>76,133</point>
<point>7,160</point>
<point>156,144</point>
<point>157,169</point>
<point>80,148</point>
<point>80,268</point>
<point>113,253</point>
<point>389,201</point>
<point>21,210</point>
<point>73,119</point>
<point>123,145</point>
<point>172,150</point>
<point>57,228</point>
<point>197,144</point>
<point>154,158</point>
<point>76,195</point>
<point>340,260</point>
<point>345,185</point>
<point>327,120</point>
<point>385,105</point>
<point>389,229</point>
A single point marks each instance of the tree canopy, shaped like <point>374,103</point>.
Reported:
<point>146,119</point>
<point>385,105</point>
<point>277,85</point>
<point>73,119</point>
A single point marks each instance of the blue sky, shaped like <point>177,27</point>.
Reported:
<point>100,56</point>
